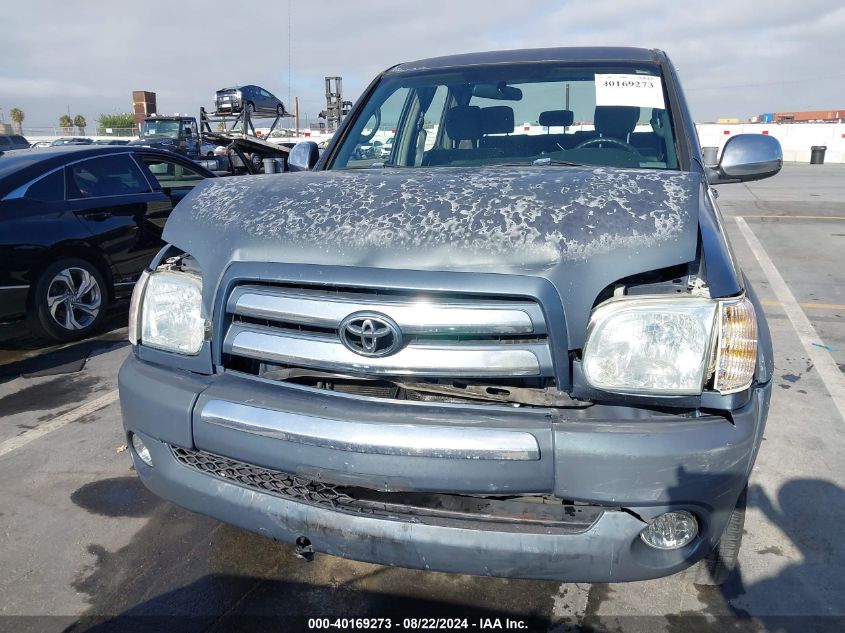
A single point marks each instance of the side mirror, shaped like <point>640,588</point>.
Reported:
<point>188,132</point>
<point>303,156</point>
<point>747,157</point>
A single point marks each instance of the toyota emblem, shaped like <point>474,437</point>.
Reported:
<point>370,334</point>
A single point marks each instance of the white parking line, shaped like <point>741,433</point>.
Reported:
<point>56,423</point>
<point>833,379</point>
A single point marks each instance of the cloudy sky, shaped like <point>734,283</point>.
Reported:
<point>735,57</point>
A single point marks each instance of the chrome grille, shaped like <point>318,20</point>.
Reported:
<point>444,336</point>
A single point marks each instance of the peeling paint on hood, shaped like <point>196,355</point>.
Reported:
<point>453,217</point>
<point>516,220</point>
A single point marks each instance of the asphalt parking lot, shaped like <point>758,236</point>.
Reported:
<point>83,542</point>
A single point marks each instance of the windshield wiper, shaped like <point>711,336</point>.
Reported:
<point>553,161</point>
<point>385,166</point>
<point>540,162</point>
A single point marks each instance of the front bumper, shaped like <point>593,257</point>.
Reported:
<point>634,464</point>
<point>229,106</point>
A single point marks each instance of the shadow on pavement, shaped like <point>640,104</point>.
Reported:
<point>31,357</point>
<point>186,572</point>
<point>272,615</point>
<point>806,595</point>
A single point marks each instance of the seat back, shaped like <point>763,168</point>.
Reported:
<point>463,124</point>
<point>557,118</point>
<point>616,121</point>
<point>498,120</point>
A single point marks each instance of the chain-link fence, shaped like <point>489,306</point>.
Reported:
<point>117,131</point>
<point>88,130</point>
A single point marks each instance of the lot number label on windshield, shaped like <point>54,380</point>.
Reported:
<point>645,91</point>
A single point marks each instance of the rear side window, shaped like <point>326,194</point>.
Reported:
<point>50,188</point>
<point>113,175</point>
<point>5,141</point>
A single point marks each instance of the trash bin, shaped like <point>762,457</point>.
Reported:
<point>274,165</point>
<point>817,154</point>
<point>710,155</point>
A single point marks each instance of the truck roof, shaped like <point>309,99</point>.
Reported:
<point>562,54</point>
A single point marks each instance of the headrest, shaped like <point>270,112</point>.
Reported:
<point>497,120</point>
<point>551,118</point>
<point>463,123</point>
<point>616,121</point>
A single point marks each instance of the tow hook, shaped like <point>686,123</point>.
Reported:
<point>304,549</point>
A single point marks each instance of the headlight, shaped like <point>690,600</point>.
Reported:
<point>650,345</point>
<point>135,307</point>
<point>671,346</point>
<point>168,308</point>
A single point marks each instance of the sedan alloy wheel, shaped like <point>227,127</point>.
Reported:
<point>74,298</point>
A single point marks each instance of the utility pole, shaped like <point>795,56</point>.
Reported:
<point>296,114</point>
<point>567,102</point>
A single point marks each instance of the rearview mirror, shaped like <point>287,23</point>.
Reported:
<point>747,157</point>
<point>500,91</point>
<point>303,156</point>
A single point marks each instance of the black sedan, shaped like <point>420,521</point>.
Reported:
<point>77,227</point>
<point>13,141</point>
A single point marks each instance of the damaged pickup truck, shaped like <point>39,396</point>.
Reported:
<point>506,349</point>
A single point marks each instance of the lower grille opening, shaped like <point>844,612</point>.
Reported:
<point>539,392</point>
<point>539,514</point>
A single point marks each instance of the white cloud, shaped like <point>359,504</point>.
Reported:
<point>736,57</point>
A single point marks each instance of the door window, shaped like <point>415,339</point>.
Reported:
<point>176,180</point>
<point>50,188</point>
<point>112,175</point>
<point>171,174</point>
<point>377,124</point>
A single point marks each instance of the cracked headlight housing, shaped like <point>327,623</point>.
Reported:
<point>650,345</point>
<point>671,345</point>
<point>165,312</point>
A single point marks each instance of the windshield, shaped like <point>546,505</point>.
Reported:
<point>161,129</point>
<point>612,115</point>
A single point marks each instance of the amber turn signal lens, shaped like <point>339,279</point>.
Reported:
<point>736,357</point>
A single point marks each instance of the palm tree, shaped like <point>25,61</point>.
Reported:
<point>66,123</point>
<point>80,123</point>
<point>17,118</point>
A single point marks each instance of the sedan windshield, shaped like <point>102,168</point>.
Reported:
<point>604,114</point>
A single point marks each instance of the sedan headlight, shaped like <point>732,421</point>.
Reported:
<point>165,312</point>
<point>671,345</point>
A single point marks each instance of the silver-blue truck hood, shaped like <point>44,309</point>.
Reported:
<point>581,228</point>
